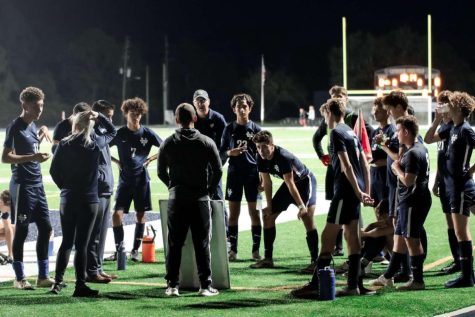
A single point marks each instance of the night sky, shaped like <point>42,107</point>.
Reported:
<point>295,36</point>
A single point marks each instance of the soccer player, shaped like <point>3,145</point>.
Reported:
<point>63,128</point>
<point>190,166</point>
<point>299,188</point>
<point>443,120</point>
<point>21,150</point>
<point>134,143</point>
<point>351,187</point>
<point>237,145</point>
<point>95,248</point>
<point>75,170</point>
<point>460,184</point>
<point>379,187</point>
<point>7,230</point>
<point>414,201</point>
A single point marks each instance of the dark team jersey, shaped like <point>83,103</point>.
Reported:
<point>212,126</point>
<point>283,162</point>
<point>376,151</point>
<point>442,148</point>
<point>344,139</point>
<point>75,167</point>
<point>23,139</point>
<point>394,146</point>
<point>415,161</point>
<point>134,149</point>
<point>236,135</point>
<point>459,151</point>
<point>106,178</point>
<point>62,130</point>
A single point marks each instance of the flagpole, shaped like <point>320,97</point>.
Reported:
<point>263,79</point>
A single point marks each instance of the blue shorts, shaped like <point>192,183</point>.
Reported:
<point>140,194</point>
<point>237,182</point>
<point>344,208</point>
<point>444,197</point>
<point>392,199</point>
<point>307,188</point>
<point>28,204</point>
<point>462,197</point>
<point>379,189</point>
<point>412,214</point>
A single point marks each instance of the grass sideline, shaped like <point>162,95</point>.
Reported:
<point>256,293</point>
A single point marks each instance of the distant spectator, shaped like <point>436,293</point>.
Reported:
<point>6,227</point>
<point>311,116</point>
<point>302,117</point>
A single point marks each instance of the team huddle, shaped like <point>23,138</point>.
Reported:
<point>395,181</point>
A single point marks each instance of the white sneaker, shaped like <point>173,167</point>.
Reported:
<point>209,291</point>
<point>382,281</point>
<point>232,256</point>
<point>23,284</point>
<point>134,256</point>
<point>172,291</point>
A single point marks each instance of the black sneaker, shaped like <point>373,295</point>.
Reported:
<point>85,291</point>
<point>459,282</point>
<point>57,287</point>
<point>308,291</point>
<point>401,278</point>
<point>451,268</point>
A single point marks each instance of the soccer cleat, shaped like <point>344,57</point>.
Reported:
<point>345,291</point>
<point>172,291</point>
<point>134,256</point>
<point>401,278</point>
<point>256,256</point>
<point>57,287</point>
<point>338,252</point>
<point>110,276</point>
<point>44,282</point>
<point>232,256</point>
<point>112,257</point>
<point>263,264</point>
<point>85,291</point>
<point>451,268</point>
<point>23,284</point>
<point>382,281</point>
<point>308,291</point>
<point>459,282</point>
<point>208,291</point>
<point>412,286</point>
<point>309,269</point>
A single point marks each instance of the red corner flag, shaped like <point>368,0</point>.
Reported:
<point>360,131</point>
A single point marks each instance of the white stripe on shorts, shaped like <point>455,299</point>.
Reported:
<point>338,211</point>
<point>408,228</point>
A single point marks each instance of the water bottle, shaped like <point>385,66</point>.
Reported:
<point>327,283</point>
<point>51,243</point>
<point>121,258</point>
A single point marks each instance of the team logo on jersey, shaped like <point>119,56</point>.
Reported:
<point>211,125</point>
<point>276,168</point>
<point>230,191</point>
<point>144,141</point>
<point>102,130</point>
<point>249,134</point>
<point>453,138</point>
<point>22,218</point>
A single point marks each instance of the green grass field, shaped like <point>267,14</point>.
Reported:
<point>140,289</point>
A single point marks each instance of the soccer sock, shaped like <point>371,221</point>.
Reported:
<point>256,237</point>
<point>233,237</point>
<point>18,268</point>
<point>269,237</point>
<point>406,265</point>
<point>394,264</point>
<point>466,253</point>
<point>118,236</point>
<point>139,229</point>
<point>339,240</point>
<point>43,268</point>
<point>454,245</point>
<point>354,268</point>
<point>312,243</point>
<point>321,263</point>
<point>423,238</point>
<point>417,262</point>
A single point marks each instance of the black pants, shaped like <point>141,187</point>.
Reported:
<point>196,216</point>
<point>77,220</point>
<point>373,247</point>
<point>95,248</point>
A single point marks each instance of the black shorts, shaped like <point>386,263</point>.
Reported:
<point>307,189</point>
<point>379,189</point>
<point>412,214</point>
<point>237,181</point>
<point>329,183</point>
<point>344,208</point>
<point>140,194</point>
<point>392,199</point>
<point>444,197</point>
<point>462,198</point>
<point>28,204</point>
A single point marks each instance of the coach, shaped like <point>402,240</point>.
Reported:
<point>183,163</point>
